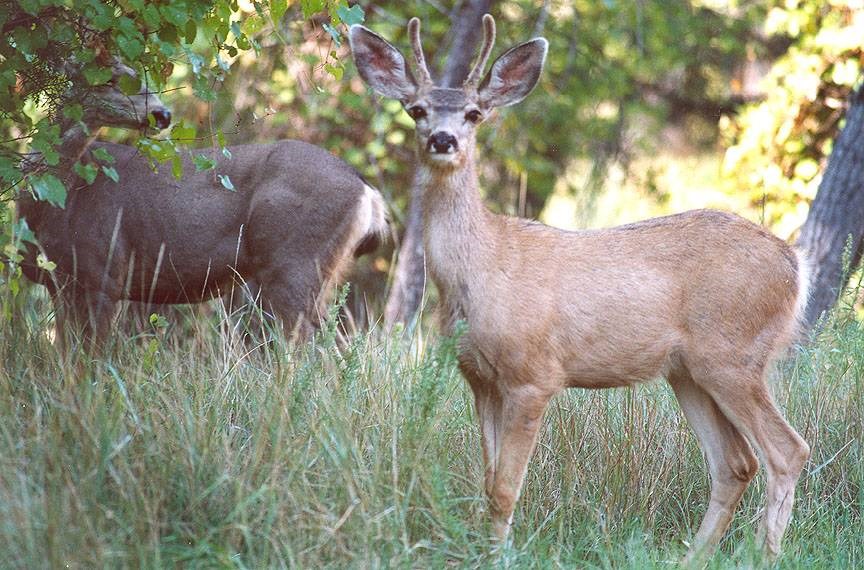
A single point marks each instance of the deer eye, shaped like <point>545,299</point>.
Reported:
<point>473,116</point>
<point>417,112</point>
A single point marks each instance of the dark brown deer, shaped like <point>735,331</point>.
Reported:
<point>292,227</point>
<point>705,299</point>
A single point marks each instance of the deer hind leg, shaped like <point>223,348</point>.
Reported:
<point>514,422</point>
<point>744,398</point>
<point>291,295</point>
<point>731,462</point>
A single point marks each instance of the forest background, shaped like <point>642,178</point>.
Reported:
<point>644,107</point>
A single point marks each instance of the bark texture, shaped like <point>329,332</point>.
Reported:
<point>409,278</point>
<point>836,215</point>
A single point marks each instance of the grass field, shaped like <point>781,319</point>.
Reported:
<point>187,448</point>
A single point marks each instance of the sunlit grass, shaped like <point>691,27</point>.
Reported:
<point>192,447</point>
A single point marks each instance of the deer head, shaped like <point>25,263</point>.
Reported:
<point>446,119</point>
<point>108,105</point>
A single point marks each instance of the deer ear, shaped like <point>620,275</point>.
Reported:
<point>380,64</point>
<point>514,74</point>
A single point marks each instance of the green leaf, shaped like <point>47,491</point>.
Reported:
<point>175,13</point>
<point>156,150</point>
<point>130,47</point>
<point>49,188</point>
<point>335,70</point>
<point>334,33</point>
<point>111,173</point>
<point>30,6</point>
<point>103,155</point>
<point>86,171</point>
<point>191,31</point>
<point>151,16</point>
<point>352,15</point>
<point>45,140</point>
<point>74,112</point>
<point>203,162</point>
<point>226,182</point>
<point>202,89</point>
<point>278,9</point>
<point>177,167</point>
<point>168,33</point>
<point>311,7</point>
<point>44,263</point>
<point>96,75</point>
<point>182,131</point>
<point>22,232</point>
<point>7,79</point>
<point>9,170</point>
<point>129,85</point>
<point>158,321</point>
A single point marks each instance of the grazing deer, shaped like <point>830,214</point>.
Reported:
<point>293,226</point>
<point>704,298</point>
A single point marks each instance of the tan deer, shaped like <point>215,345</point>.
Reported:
<point>704,298</point>
<point>291,228</point>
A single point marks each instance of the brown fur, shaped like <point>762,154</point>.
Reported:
<point>704,298</point>
<point>290,228</point>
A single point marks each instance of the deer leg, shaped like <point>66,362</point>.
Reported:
<point>515,434</point>
<point>291,299</point>
<point>745,400</point>
<point>101,312</point>
<point>82,320</point>
<point>488,402</point>
<point>731,463</point>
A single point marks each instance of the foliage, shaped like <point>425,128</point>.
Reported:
<point>192,450</point>
<point>41,38</point>
<point>779,146</point>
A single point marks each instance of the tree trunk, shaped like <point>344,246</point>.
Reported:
<point>837,215</point>
<point>409,279</point>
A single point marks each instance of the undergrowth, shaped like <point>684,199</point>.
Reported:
<point>196,447</point>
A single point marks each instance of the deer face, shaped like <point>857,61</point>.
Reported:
<point>109,106</point>
<point>446,118</point>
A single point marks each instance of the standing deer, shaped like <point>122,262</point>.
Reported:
<point>704,298</point>
<point>292,227</point>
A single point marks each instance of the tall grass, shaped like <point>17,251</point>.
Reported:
<point>194,448</point>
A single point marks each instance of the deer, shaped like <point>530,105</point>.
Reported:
<point>705,299</point>
<point>292,228</point>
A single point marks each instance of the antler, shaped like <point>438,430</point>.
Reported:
<point>414,33</point>
<point>488,41</point>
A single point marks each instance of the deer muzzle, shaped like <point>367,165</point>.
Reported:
<point>442,142</point>
<point>161,117</point>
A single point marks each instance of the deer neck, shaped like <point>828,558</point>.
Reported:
<point>457,232</point>
<point>73,144</point>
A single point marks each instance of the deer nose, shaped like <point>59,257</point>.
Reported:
<point>442,143</point>
<point>162,117</point>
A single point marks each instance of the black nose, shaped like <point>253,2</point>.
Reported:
<point>162,117</point>
<point>442,142</point>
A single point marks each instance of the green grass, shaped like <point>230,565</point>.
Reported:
<point>189,449</point>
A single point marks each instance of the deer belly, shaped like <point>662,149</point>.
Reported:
<point>172,277</point>
<point>611,365</point>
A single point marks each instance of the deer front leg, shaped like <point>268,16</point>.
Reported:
<point>487,401</point>
<point>515,429</point>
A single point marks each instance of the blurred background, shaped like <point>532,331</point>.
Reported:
<point>645,107</point>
